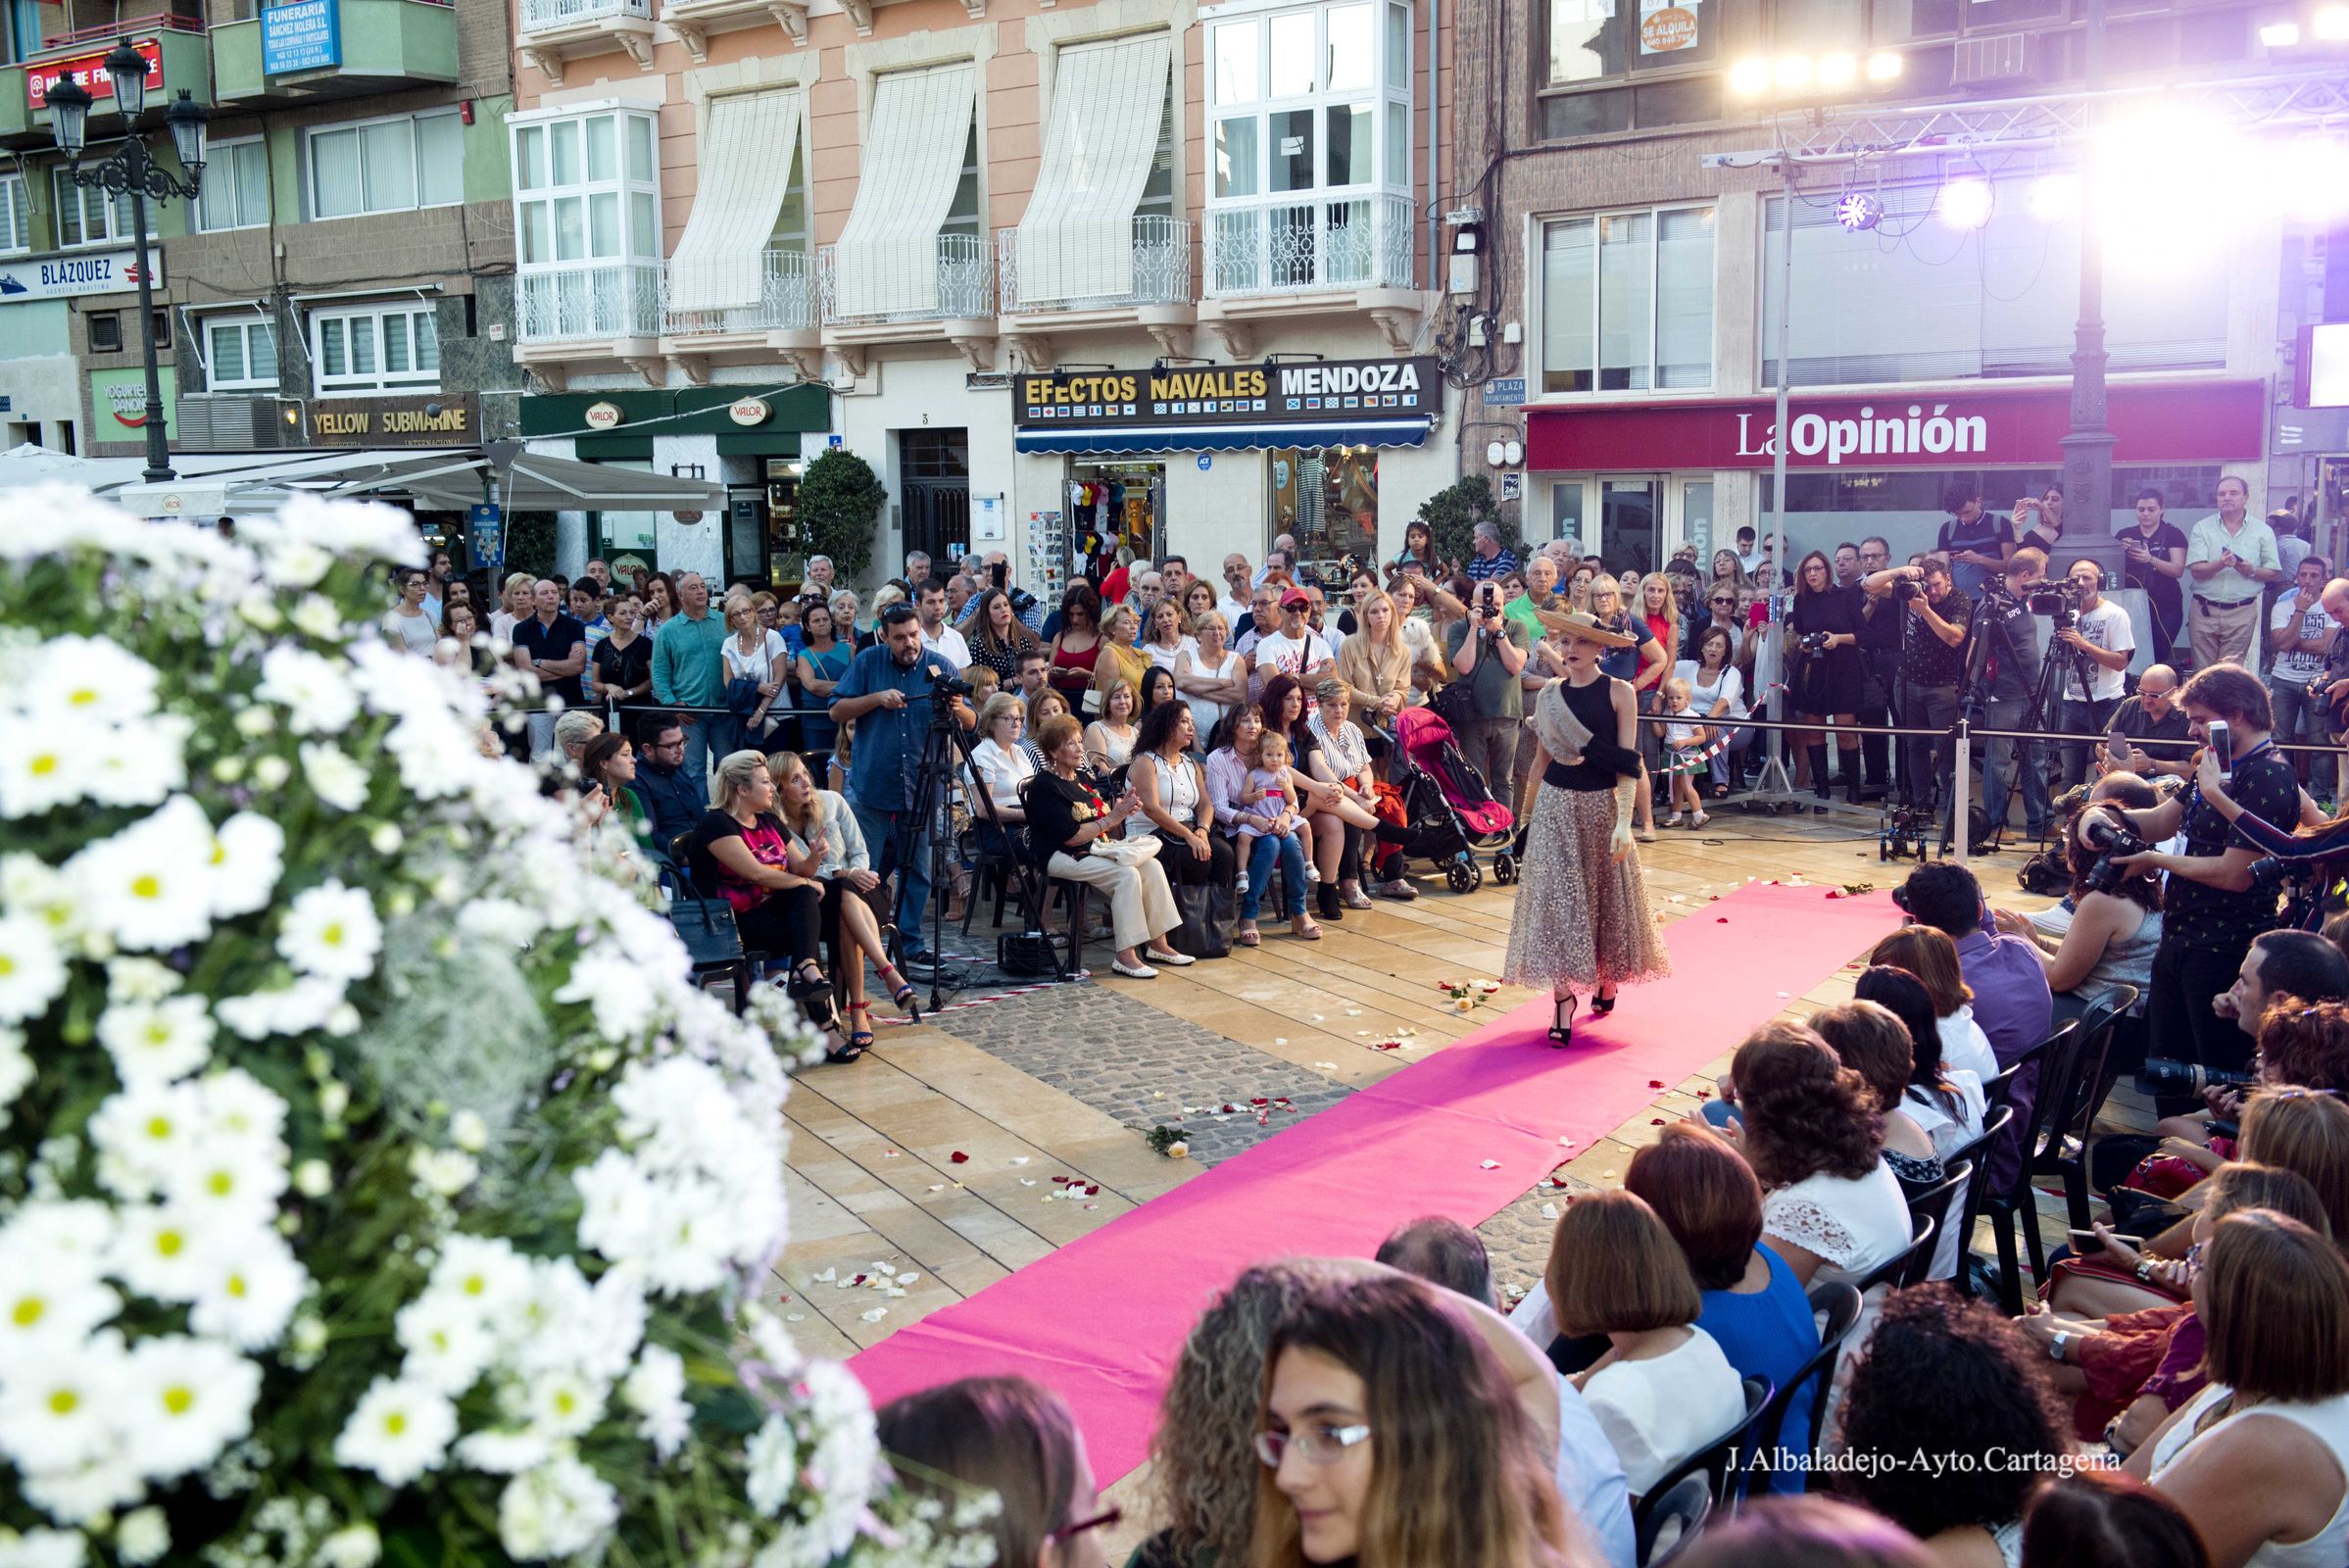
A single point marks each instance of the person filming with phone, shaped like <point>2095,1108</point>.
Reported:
<point>2214,909</point>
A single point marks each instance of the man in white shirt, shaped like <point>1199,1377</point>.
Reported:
<point>936,635</point>
<point>1281,557</point>
<point>2102,636</point>
<point>1237,580</point>
<point>1297,649</point>
<point>2230,559</point>
<point>2299,635</point>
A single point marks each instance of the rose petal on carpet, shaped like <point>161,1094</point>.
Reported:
<point>1102,1319</point>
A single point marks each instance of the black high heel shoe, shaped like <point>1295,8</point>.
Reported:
<point>1561,1029</point>
<point>1602,1005</point>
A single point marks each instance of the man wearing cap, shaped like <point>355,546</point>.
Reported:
<point>1297,649</point>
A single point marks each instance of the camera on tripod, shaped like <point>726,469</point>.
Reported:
<point>2058,601</point>
<point>2162,1076</point>
<point>949,687</point>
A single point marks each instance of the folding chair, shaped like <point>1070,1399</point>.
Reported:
<point>1722,1463</point>
<point>1677,1515</point>
<point>1838,1307</point>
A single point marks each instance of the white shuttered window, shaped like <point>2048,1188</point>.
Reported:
<point>746,157</point>
<point>1076,239</point>
<point>887,257</point>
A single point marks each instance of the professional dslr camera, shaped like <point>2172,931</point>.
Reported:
<point>2058,601</point>
<point>1813,642</point>
<point>1905,589</point>
<point>2109,834</point>
<point>2162,1076</point>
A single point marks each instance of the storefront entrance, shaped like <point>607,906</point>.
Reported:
<point>1633,521</point>
<point>1115,505</point>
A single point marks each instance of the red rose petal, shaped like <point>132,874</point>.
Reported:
<point>1093,1189</point>
<point>1558,1181</point>
<point>959,1157</point>
<point>1655,1121</point>
<point>1655,1083</point>
<point>1720,919</point>
<point>1259,1101</point>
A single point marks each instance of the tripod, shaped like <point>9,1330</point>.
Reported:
<point>2063,666</point>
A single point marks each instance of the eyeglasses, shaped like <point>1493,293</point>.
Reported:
<point>1729,600</point>
<point>1108,1518</point>
<point>1322,1444</point>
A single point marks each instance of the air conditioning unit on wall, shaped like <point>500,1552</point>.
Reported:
<point>1993,61</point>
<point>236,424</point>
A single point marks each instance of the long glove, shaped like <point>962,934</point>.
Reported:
<point>1619,842</point>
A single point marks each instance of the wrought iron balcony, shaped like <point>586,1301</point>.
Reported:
<point>966,286</point>
<point>1289,246</point>
<point>1161,260</point>
<point>786,300</point>
<point>543,16</point>
<point>590,301</point>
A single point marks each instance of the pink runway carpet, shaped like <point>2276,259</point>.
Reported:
<point>1103,1319</point>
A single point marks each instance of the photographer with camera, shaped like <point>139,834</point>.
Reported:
<point>1933,663</point>
<point>883,694</point>
<point>2214,909</point>
<point>1823,636</point>
<point>2007,660</point>
<point>2099,632</point>
<point>1489,652</point>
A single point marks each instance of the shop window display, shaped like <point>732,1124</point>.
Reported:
<point>1328,499</point>
<point>1114,506</point>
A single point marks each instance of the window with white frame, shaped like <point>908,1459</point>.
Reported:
<point>1627,301</point>
<point>87,217</point>
<point>375,349</point>
<point>1309,149</point>
<point>16,215</point>
<point>387,165</point>
<point>236,187</point>
<point>240,354</point>
<point>585,191</point>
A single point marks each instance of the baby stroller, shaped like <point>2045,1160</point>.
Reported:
<point>1446,811</point>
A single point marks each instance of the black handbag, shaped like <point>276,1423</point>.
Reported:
<point>1455,703</point>
<point>1201,935</point>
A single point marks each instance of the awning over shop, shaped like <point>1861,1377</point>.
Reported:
<point>1226,437</point>
<point>540,482</point>
<point>451,479</point>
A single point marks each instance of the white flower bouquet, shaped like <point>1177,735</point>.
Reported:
<point>375,1183</point>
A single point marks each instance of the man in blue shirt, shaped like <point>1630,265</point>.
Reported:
<point>688,668</point>
<point>886,693</point>
<point>1977,542</point>
<point>674,801</point>
<point>1490,560</point>
<point>555,647</point>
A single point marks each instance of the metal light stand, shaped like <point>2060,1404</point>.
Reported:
<point>129,170</point>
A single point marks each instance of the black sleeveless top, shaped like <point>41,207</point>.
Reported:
<point>1594,705</point>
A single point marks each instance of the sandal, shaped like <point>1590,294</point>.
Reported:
<point>901,993</point>
<point>1675,820</point>
<point>806,981</point>
<point>1603,1003</point>
<point>1699,819</point>
<point>1562,1028</point>
<point>1721,791</point>
<point>1303,929</point>
<point>1248,936</point>
<point>858,1042</point>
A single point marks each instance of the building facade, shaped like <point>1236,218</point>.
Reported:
<point>1065,274</point>
<point>343,280</point>
<point>1930,349</point>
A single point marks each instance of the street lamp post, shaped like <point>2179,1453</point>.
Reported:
<point>2088,447</point>
<point>129,170</point>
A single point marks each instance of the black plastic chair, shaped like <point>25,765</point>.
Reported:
<point>1678,1516</point>
<point>2000,1090</point>
<point>1976,1152</point>
<point>706,926</point>
<point>2012,1208</point>
<point>1935,1203</point>
<point>1837,1307</point>
<point>2063,1151</point>
<point>1908,1267</point>
<point>1722,1465</point>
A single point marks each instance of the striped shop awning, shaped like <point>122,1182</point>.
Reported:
<point>1225,437</point>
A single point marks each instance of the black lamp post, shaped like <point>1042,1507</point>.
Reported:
<point>129,170</point>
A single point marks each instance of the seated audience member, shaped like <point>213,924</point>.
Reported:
<point>606,770</point>
<point>573,730</point>
<point>1589,1473</point>
<point>674,799</point>
<point>1664,1389</point>
<point>1813,1532</point>
<point>1066,818</point>
<point>1003,766</point>
<point>1952,1379</point>
<point>2090,1518</point>
<point>1172,789</point>
<point>1754,1309</point>
<point>2011,999</point>
<point>1832,1208</point>
<point>1928,953</point>
<point>827,844</point>
<point>1946,1101</point>
<point>1040,706</point>
<point>2150,734</point>
<point>1392,1433</point>
<point>2287,1127</point>
<point>2259,1460</point>
<point>2126,1373</point>
<point>2110,938</point>
<point>1014,1439</point>
<point>1203,1471</point>
<point>1871,1040</point>
<point>740,849</point>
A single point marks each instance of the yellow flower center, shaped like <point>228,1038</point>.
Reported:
<point>64,1402</point>
<point>395,1423</point>
<point>236,1286</point>
<point>159,1128</point>
<point>158,1033</point>
<point>149,886</point>
<point>28,1310</point>
<point>219,852</point>
<point>8,966</point>
<point>82,696</point>
<point>332,936</point>
<point>566,1402</point>
<point>476,1285</point>
<point>44,763</point>
<point>219,1184</point>
<point>178,1401</point>
<point>169,1243</point>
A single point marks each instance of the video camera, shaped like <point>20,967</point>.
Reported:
<point>2162,1076</point>
<point>2058,601</point>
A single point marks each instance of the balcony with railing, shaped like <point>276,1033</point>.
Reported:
<point>586,315</point>
<point>1075,283</point>
<point>892,309</point>
<point>781,323</point>
<point>1160,248</point>
<point>1277,257</point>
<point>554,31</point>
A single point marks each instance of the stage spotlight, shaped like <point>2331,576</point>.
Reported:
<point>2054,197</point>
<point>1749,79</point>
<point>1838,71</point>
<point>2281,35</point>
<point>2332,24</point>
<point>1859,210</point>
<point>1965,202</point>
<point>1884,66</point>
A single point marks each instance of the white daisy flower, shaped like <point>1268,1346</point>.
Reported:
<point>656,1391</point>
<point>301,1008</point>
<point>560,1403</point>
<point>248,853</point>
<point>157,1042</point>
<point>448,1340</point>
<point>88,678</point>
<point>60,1410</point>
<point>42,1549</point>
<point>141,980</point>
<point>251,1295</point>
<point>143,1536</point>
<point>32,971</point>
<point>331,931</point>
<point>400,1430</point>
<point>485,1273</point>
<point>333,778</point>
<point>48,768</point>
<point>87,1494</point>
<point>144,1134</point>
<point>139,766</point>
<point>352,1546</point>
<point>167,1254</point>
<point>445,1171</point>
<point>59,1238</point>
<point>502,1453</point>
<point>771,1463</point>
<point>43,1309</point>
<point>29,886</point>
<point>237,1105</point>
<point>319,699</point>
<point>149,886</point>
<point>229,1183</point>
<point>184,1400</point>
<point>560,1509</point>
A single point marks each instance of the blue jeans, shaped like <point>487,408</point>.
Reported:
<point>2298,716</point>
<point>2009,713</point>
<point>1270,847</point>
<point>2092,718</point>
<point>899,843</point>
<point>696,763</point>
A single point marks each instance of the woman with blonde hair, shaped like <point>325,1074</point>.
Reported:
<point>1210,677</point>
<point>1168,641</point>
<point>1110,739</point>
<point>514,606</point>
<point>1392,1436</point>
<point>742,851</point>
<point>828,847</point>
<point>1375,663</point>
<point>753,653</point>
<point>1120,659</point>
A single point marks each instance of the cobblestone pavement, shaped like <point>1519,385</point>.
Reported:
<point>1127,1060</point>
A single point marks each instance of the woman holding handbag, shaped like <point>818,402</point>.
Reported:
<point>1171,790</point>
<point>1075,836</point>
<point>755,659</point>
